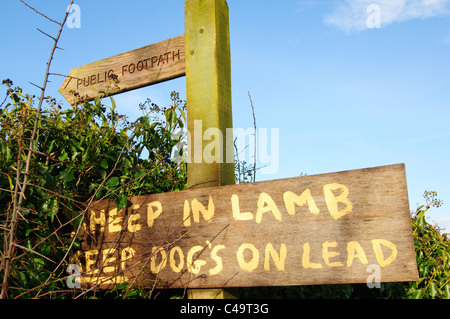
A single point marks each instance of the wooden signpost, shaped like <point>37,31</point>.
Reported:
<point>323,229</point>
<point>127,71</point>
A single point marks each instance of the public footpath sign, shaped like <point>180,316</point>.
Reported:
<point>346,227</point>
<point>127,71</point>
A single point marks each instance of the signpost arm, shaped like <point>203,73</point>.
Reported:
<point>208,89</point>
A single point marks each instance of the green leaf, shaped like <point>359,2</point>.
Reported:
<point>447,291</point>
<point>433,289</point>
<point>22,279</point>
<point>128,163</point>
<point>121,202</point>
<point>15,98</point>
<point>53,209</point>
<point>92,186</point>
<point>38,263</point>
<point>102,173</point>
<point>104,163</point>
<point>45,249</point>
<point>20,94</point>
<point>113,182</point>
<point>63,157</point>
<point>76,245</point>
<point>416,294</point>
<point>84,157</point>
<point>113,104</point>
<point>67,175</point>
<point>140,174</point>
<point>11,185</point>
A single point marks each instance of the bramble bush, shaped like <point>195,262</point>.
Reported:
<point>87,152</point>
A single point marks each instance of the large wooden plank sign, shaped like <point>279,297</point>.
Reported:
<point>152,64</point>
<point>324,229</point>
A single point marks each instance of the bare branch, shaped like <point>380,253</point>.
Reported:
<point>66,76</point>
<point>18,197</point>
<point>34,252</point>
<point>40,88</point>
<point>254,126</point>
<point>39,12</point>
<point>54,39</point>
<point>6,190</point>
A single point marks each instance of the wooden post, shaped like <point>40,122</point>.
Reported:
<point>208,90</point>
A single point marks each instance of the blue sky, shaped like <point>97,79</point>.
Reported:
<point>343,95</point>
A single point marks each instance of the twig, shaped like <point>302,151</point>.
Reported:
<point>254,125</point>
<point>66,76</point>
<point>18,198</point>
<point>39,12</point>
<point>33,252</point>
<point>238,163</point>
<point>9,242</point>
<point>54,39</point>
<point>40,88</point>
<point>6,97</point>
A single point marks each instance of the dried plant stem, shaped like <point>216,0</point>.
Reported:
<point>254,126</point>
<point>19,196</point>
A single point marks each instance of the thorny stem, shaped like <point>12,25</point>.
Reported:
<point>254,126</point>
<point>40,12</point>
<point>18,201</point>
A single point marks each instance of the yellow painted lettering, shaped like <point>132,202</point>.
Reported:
<point>114,222</point>
<point>94,221</point>
<point>133,225</point>
<point>354,250</point>
<point>291,199</point>
<point>217,259</point>
<point>326,254</point>
<point>266,204</point>
<point>126,254</point>
<point>278,259</point>
<point>333,202</point>
<point>306,260</point>
<point>198,208</point>
<point>186,214</point>
<point>154,210</point>
<point>236,210</point>
<point>108,259</point>
<point>195,264</point>
<point>91,262</point>
<point>173,264</point>
<point>253,263</point>
<point>155,252</point>
<point>376,243</point>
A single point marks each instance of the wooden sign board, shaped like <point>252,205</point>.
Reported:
<point>152,64</point>
<point>323,229</point>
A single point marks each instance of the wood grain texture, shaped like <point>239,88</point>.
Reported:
<point>259,241</point>
<point>208,89</point>
<point>145,66</point>
<point>208,86</point>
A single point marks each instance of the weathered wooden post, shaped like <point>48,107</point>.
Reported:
<point>208,89</point>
